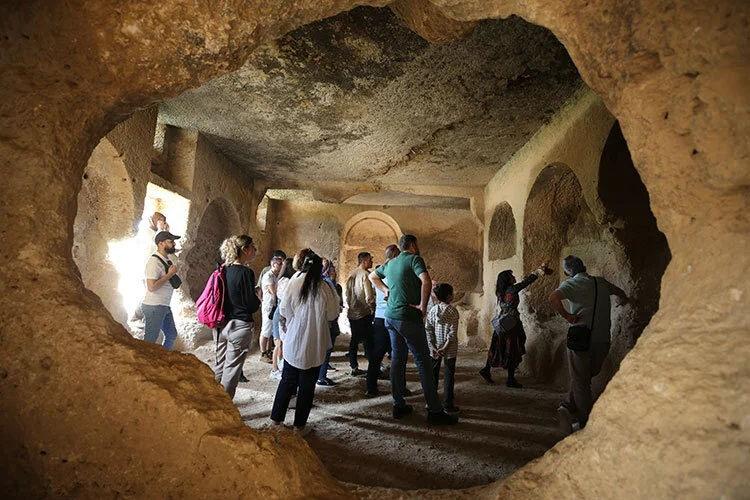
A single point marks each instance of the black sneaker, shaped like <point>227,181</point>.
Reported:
<point>513,383</point>
<point>571,407</point>
<point>332,368</point>
<point>356,372</point>
<point>327,382</point>
<point>402,411</point>
<point>441,418</point>
<point>485,373</point>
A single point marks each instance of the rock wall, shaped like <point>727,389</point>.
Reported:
<point>88,411</point>
<point>222,202</point>
<point>559,217</point>
<point>106,213</point>
<point>449,240</point>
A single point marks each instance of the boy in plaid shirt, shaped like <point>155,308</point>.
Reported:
<point>442,337</point>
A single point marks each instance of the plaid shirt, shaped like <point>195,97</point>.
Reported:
<point>442,329</point>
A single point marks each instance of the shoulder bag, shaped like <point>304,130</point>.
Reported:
<point>175,280</point>
<point>579,336</point>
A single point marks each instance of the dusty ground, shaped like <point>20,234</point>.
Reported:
<point>356,438</point>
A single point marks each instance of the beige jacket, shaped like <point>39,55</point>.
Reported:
<point>360,296</point>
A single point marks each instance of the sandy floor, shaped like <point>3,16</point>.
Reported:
<point>500,429</point>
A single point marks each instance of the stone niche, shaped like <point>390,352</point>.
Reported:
<point>556,217</point>
<point>219,221</point>
<point>502,234</point>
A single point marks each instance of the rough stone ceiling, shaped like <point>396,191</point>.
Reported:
<point>360,98</point>
<point>401,199</point>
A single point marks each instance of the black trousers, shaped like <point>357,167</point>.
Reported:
<point>450,378</point>
<point>295,379</point>
<point>361,332</point>
<point>381,343</point>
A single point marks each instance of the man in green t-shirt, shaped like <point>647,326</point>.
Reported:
<point>407,294</point>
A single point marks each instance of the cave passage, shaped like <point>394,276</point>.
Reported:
<point>341,136</point>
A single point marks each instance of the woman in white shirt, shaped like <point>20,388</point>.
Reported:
<point>307,307</point>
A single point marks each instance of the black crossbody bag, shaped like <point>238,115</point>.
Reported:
<point>579,336</point>
<point>175,280</point>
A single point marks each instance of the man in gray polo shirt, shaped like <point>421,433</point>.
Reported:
<point>578,289</point>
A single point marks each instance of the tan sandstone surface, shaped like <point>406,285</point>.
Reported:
<point>87,411</point>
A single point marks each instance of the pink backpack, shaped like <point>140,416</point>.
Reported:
<point>210,305</point>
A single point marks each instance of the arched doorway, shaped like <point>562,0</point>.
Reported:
<point>369,231</point>
<point>106,213</point>
<point>219,220</point>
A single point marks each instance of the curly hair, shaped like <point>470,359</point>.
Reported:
<point>232,247</point>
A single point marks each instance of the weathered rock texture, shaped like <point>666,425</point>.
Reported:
<point>450,240</point>
<point>87,411</point>
<point>105,213</point>
<point>559,217</point>
<point>221,202</point>
<point>360,98</point>
<point>219,221</point>
<point>501,238</point>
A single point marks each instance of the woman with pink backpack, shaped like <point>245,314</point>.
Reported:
<point>232,337</point>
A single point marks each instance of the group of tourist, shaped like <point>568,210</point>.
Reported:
<point>393,310</point>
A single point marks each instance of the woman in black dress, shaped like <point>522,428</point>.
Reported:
<point>508,346</point>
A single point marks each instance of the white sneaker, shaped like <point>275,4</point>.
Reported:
<point>275,375</point>
<point>565,421</point>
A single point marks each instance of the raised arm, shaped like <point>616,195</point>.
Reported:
<point>535,275</point>
<point>153,284</point>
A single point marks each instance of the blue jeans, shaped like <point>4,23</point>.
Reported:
<point>323,373</point>
<point>450,378</point>
<point>159,318</point>
<point>379,346</point>
<point>411,335</point>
